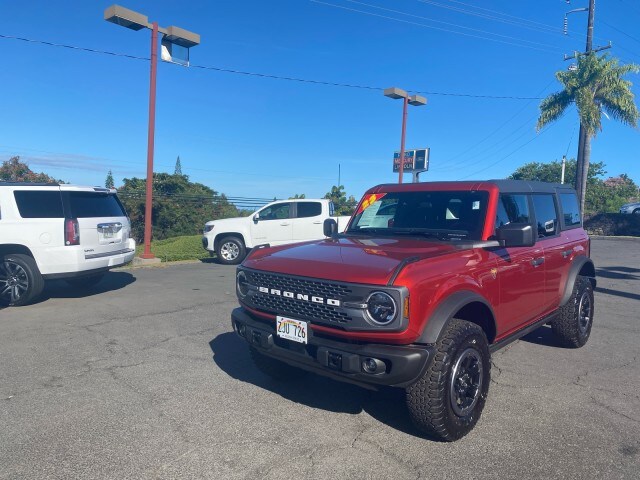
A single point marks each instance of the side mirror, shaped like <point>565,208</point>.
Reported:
<point>256,217</point>
<point>516,235</point>
<point>330,227</point>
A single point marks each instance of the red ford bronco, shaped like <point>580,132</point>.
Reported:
<point>427,280</point>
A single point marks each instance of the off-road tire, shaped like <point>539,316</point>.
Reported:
<point>574,320</point>
<point>230,250</point>
<point>22,268</point>
<point>431,399</point>
<point>273,368</point>
<point>85,282</point>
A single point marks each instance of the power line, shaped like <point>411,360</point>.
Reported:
<point>448,23</point>
<point>271,76</point>
<point>506,156</point>
<point>435,28</point>
<point>523,22</point>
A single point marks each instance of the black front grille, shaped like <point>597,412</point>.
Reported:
<point>298,285</point>
<point>302,309</point>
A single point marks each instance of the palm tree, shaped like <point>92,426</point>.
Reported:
<point>596,86</point>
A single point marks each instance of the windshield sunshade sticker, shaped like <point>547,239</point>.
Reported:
<point>370,200</point>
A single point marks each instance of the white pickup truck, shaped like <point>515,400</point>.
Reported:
<point>277,223</point>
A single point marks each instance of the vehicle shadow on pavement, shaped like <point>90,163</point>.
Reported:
<point>111,281</point>
<point>543,336</point>
<point>231,354</point>
<point>619,273</point>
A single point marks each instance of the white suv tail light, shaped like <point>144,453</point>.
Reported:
<point>71,232</point>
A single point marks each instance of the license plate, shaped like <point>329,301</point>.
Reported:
<point>294,330</point>
<point>109,234</point>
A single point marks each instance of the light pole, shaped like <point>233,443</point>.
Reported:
<point>415,100</point>
<point>172,36</point>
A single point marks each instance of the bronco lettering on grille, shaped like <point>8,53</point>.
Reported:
<point>299,296</point>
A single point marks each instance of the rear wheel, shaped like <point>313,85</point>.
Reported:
<point>637,211</point>
<point>573,323</point>
<point>20,280</point>
<point>230,250</point>
<point>85,282</point>
<point>448,399</point>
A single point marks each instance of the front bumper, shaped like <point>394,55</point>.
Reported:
<point>403,364</point>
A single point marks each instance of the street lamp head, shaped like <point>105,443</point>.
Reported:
<point>417,100</point>
<point>126,18</point>
<point>182,37</point>
<point>395,93</point>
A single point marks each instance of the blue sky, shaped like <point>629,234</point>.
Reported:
<point>76,115</point>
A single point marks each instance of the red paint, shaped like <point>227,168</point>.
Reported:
<point>150,143</point>
<point>519,292</point>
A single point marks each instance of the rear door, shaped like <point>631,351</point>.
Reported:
<point>307,221</point>
<point>103,224</point>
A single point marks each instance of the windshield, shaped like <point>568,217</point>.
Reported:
<point>445,215</point>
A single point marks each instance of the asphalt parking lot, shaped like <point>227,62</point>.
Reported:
<point>144,378</point>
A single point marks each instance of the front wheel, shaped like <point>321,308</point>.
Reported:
<point>637,211</point>
<point>20,280</point>
<point>230,250</point>
<point>447,401</point>
<point>573,323</point>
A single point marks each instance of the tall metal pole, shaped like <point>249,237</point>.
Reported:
<point>150,143</point>
<point>405,103</point>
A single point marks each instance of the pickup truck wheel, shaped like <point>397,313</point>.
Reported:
<point>573,323</point>
<point>85,282</point>
<point>446,402</point>
<point>275,368</point>
<point>230,250</point>
<point>20,280</point>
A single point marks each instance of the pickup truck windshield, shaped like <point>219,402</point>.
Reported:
<point>445,215</point>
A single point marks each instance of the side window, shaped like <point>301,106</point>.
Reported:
<point>570,209</point>
<point>308,209</point>
<point>546,215</point>
<point>275,212</point>
<point>39,204</point>
<point>512,208</point>
<point>332,209</point>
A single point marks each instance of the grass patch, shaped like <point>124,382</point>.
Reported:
<point>177,248</point>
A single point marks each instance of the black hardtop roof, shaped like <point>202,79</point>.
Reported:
<point>504,186</point>
<point>529,186</point>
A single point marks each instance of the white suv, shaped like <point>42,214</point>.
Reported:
<point>51,231</point>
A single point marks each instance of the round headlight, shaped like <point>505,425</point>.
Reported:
<point>381,308</point>
<point>242,284</point>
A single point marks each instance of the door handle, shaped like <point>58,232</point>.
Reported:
<point>536,262</point>
<point>566,253</point>
<point>317,223</point>
<point>285,224</point>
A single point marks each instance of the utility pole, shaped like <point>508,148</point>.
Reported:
<point>564,165</point>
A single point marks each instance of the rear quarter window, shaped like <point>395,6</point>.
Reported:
<point>570,210</point>
<point>92,205</point>
<point>39,204</point>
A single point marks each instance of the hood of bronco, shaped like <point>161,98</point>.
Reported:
<point>356,260</point>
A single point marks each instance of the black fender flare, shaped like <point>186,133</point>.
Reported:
<point>446,310</point>
<point>576,267</point>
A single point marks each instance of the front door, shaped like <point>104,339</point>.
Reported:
<point>273,225</point>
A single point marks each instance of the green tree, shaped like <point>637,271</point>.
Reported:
<point>178,169</point>
<point>601,195</point>
<point>597,85</point>
<point>109,183</point>
<point>343,205</point>
<point>180,207</point>
<point>13,170</point>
